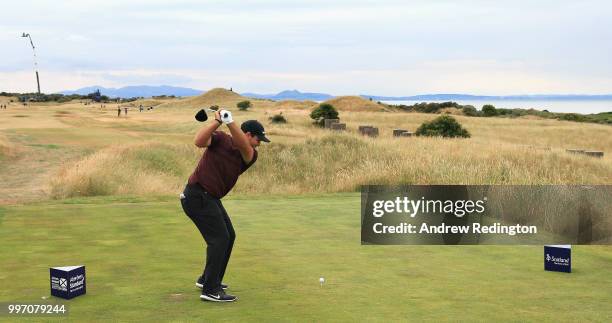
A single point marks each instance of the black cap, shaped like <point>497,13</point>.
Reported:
<point>255,128</point>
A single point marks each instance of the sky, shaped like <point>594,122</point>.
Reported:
<point>339,47</point>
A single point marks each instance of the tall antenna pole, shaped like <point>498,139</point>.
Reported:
<point>35,60</point>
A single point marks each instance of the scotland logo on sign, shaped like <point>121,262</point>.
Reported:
<point>59,284</point>
<point>558,258</point>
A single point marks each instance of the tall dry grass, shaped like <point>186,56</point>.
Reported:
<point>134,169</point>
<point>303,158</point>
<point>330,162</point>
<point>344,162</point>
<point>573,212</point>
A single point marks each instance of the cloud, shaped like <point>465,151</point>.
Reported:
<point>143,77</point>
<point>76,38</point>
<point>475,77</point>
<point>385,47</point>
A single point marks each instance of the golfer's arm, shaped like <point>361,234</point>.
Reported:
<point>242,142</point>
<point>203,137</point>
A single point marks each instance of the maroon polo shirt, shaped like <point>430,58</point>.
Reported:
<point>220,166</point>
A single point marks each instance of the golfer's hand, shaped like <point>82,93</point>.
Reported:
<point>218,117</point>
<point>226,116</point>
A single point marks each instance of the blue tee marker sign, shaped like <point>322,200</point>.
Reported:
<point>558,258</point>
<point>67,282</point>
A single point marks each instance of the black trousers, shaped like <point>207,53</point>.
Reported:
<point>210,217</point>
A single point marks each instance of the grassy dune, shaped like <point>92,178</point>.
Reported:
<point>331,163</point>
<point>137,169</point>
<point>355,103</point>
<point>88,150</point>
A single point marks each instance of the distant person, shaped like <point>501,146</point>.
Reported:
<point>125,110</point>
<point>224,160</point>
<point>118,111</point>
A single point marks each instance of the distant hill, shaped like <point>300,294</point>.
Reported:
<point>290,95</point>
<point>149,91</point>
<point>217,96</point>
<point>137,91</point>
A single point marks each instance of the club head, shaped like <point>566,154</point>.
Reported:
<point>201,116</point>
<point>212,109</point>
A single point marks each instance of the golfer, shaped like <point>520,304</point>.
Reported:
<point>225,158</point>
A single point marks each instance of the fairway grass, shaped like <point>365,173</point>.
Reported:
<point>142,256</point>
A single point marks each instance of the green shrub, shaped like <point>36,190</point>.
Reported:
<point>573,117</point>
<point>244,105</point>
<point>510,112</point>
<point>489,110</point>
<point>278,118</point>
<point>322,112</point>
<point>445,126</point>
<point>469,110</point>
